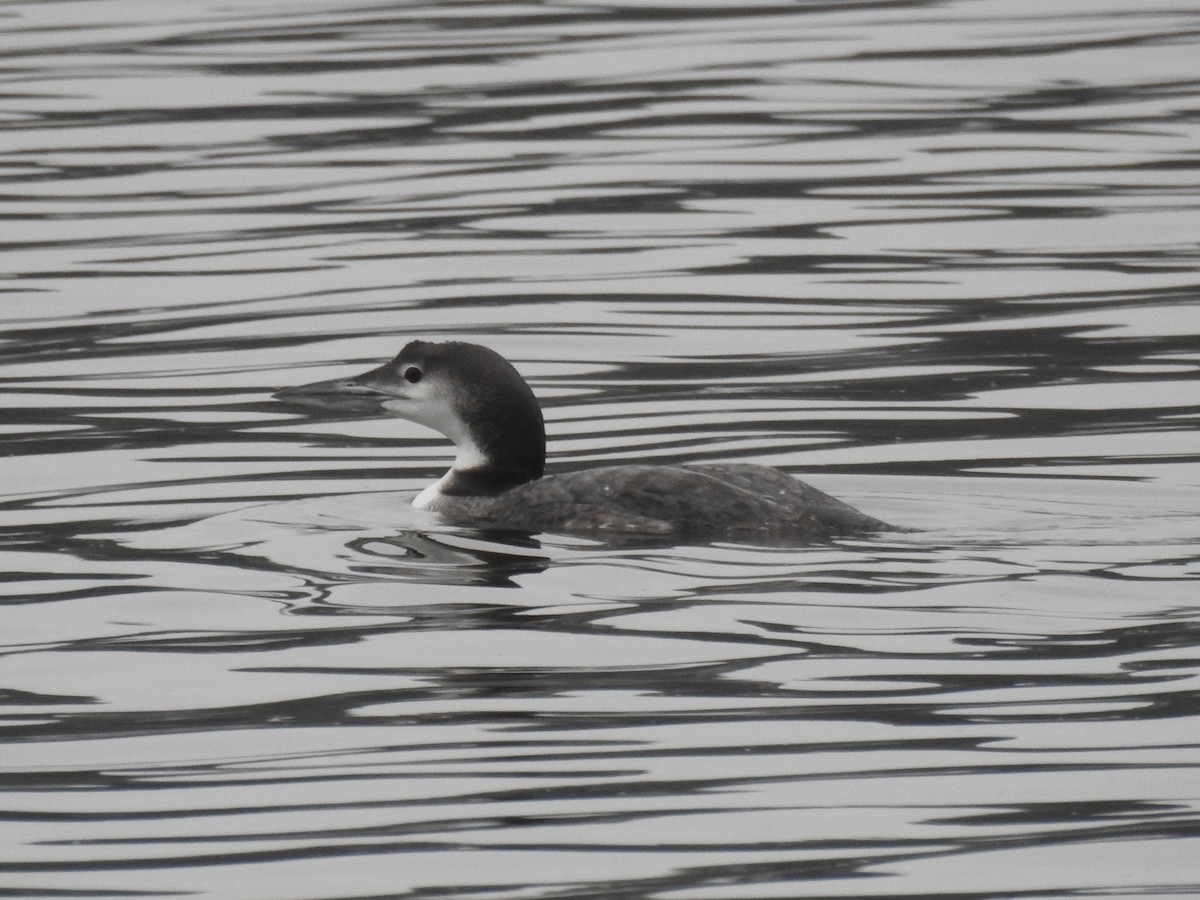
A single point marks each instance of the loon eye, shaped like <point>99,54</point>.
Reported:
<point>412,374</point>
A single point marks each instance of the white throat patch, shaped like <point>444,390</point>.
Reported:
<point>469,457</point>
<point>429,497</point>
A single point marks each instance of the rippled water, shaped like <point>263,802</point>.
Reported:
<point>940,259</point>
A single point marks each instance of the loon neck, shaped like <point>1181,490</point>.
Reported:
<point>458,482</point>
<point>496,425</point>
<point>479,472</point>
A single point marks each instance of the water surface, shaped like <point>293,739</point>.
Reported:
<point>940,259</point>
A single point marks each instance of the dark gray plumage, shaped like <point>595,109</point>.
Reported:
<point>716,501</point>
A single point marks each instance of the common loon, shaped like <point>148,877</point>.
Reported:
<point>475,397</point>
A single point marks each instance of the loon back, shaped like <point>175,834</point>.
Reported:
<point>732,500</point>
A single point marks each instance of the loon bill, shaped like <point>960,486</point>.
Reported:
<point>474,397</point>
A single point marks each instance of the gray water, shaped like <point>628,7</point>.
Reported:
<point>939,259</point>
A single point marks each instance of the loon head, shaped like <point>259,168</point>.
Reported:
<point>468,393</point>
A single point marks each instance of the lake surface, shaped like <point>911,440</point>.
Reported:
<point>939,259</point>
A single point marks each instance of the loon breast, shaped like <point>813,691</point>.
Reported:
<point>480,402</point>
